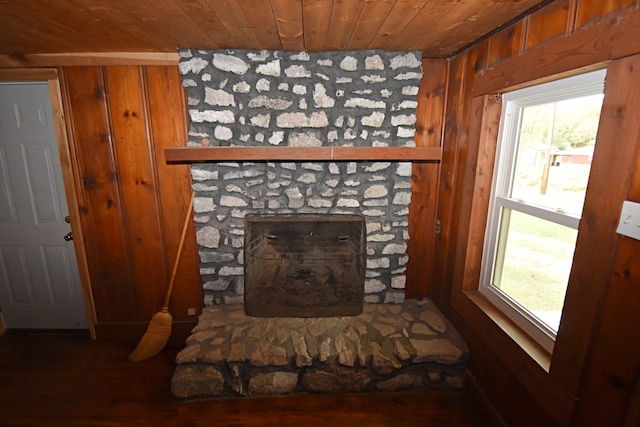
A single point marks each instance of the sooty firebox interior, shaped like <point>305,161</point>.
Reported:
<point>304,265</point>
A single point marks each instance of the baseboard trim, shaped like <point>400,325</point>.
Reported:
<point>133,331</point>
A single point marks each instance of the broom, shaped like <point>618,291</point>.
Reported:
<point>159,329</point>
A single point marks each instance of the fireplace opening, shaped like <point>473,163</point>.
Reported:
<point>304,265</point>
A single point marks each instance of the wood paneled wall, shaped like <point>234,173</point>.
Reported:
<point>422,211</point>
<point>132,204</point>
<point>120,119</point>
<point>596,361</point>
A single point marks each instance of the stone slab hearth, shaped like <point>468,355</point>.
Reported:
<point>388,347</point>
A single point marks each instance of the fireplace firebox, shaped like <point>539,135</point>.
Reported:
<point>304,265</point>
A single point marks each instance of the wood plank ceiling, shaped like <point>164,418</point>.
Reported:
<point>438,28</point>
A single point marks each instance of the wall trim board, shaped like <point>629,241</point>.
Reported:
<point>68,173</point>
<point>88,58</point>
<point>28,74</point>
<point>133,331</point>
<point>586,49</point>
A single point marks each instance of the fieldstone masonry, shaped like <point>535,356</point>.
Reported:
<point>389,347</point>
<point>277,98</point>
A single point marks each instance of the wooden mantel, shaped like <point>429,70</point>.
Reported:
<point>219,154</point>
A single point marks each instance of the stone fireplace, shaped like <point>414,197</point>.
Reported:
<point>315,250</point>
<point>299,99</point>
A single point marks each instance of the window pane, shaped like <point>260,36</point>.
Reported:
<point>554,154</point>
<point>533,264</point>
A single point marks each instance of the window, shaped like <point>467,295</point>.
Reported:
<point>545,144</point>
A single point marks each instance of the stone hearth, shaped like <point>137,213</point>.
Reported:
<point>388,347</point>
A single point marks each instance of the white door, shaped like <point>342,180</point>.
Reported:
<point>39,280</point>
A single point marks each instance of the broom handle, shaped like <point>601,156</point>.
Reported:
<point>187,220</point>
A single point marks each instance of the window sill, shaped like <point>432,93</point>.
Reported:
<point>520,337</point>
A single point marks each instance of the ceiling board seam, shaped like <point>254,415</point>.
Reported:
<point>275,23</point>
<point>392,41</point>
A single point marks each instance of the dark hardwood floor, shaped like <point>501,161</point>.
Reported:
<point>68,380</point>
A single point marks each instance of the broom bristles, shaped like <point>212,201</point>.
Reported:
<point>155,338</point>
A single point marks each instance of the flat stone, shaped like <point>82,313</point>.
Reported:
<point>401,351</point>
<point>273,383</point>
<point>268,354</point>
<point>345,351</point>
<point>434,320</point>
<point>213,356</point>
<point>189,354</point>
<point>199,380</point>
<point>422,329</point>
<point>401,382</point>
<point>236,352</point>
<point>230,63</point>
<point>456,381</point>
<point>339,380</point>
<point>193,65</point>
<point>300,348</point>
<point>436,350</point>
<point>384,329</point>
<point>384,364</point>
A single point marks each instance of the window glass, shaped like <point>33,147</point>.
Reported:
<point>546,143</point>
<point>555,151</point>
<point>534,262</point>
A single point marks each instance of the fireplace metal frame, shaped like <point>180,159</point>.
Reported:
<point>304,265</point>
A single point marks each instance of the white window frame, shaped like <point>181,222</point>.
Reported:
<point>512,107</point>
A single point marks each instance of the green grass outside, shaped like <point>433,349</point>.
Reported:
<point>537,263</point>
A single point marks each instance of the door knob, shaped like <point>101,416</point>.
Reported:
<point>68,237</point>
<point>67,219</point>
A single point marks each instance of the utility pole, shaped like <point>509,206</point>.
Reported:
<point>547,164</point>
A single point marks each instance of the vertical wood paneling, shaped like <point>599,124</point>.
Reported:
<point>138,186</point>
<point>99,198</point>
<point>422,212</point>
<point>593,10</point>
<point>549,22</point>
<point>454,119</point>
<point>595,361</point>
<point>168,129</point>
<point>597,241</point>
<point>510,399</point>
<point>455,149</point>
<point>502,386</point>
<point>506,43</point>
<point>476,188</point>
<point>132,203</point>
